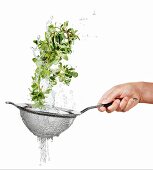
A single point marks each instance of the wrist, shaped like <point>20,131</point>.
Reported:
<point>141,88</point>
<point>146,91</point>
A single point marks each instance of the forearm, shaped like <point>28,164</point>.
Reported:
<point>146,92</point>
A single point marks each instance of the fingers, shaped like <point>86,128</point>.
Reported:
<point>108,97</point>
<point>131,103</point>
<point>101,109</point>
<point>111,108</point>
<point>125,105</point>
<point>114,106</point>
<point>121,106</point>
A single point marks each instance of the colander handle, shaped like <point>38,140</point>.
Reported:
<point>17,105</point>
<point>99,105</point>
<point>12,103</point>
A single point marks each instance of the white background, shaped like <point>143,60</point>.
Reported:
<point>122,53</point>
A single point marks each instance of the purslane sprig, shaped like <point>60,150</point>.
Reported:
<point>54,50</point>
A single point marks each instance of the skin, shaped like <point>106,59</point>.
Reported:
<point>126,96</point>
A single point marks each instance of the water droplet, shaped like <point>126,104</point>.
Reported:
<point>38,37</point>
<point>94,13</point>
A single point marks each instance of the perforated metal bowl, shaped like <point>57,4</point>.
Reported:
<point>44,124</point>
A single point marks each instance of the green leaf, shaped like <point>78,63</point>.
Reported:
<point>66,23</point>
<point>65,57</point>
<point>74,74</point>
<point>34,60</point>
<point>35,41</point>
<point>67,82</point>
<point>48,91</point>
<point>34,85</point>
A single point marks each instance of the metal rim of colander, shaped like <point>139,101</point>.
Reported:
<point>45,113</point>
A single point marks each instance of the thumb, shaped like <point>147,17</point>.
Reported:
<point>107,98</point>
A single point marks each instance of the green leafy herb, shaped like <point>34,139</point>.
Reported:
<point>53,52</point>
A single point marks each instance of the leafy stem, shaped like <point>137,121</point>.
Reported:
<point>53,53</point>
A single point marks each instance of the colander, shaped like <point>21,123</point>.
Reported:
<point>46,124</point>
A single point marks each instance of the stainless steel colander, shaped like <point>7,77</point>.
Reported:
<point>47,124</point>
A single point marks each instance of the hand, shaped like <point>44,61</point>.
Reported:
<point>124,97</point>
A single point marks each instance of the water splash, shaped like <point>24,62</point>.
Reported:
<point>50,100</point>
<point>62,96</point>
<point>88,26</point>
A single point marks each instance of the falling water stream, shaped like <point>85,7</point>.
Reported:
<point>44,149</point>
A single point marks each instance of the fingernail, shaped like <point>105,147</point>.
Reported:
<point>102,109</point>
<point>135,99</point>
